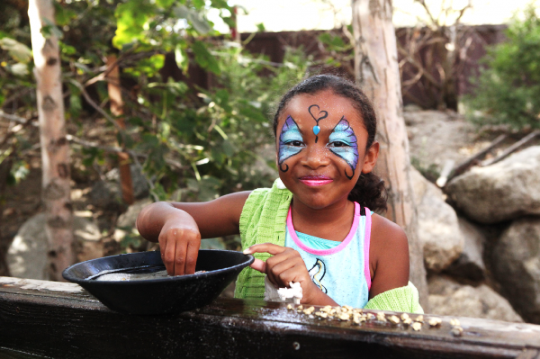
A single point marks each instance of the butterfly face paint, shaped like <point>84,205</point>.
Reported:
<point>342,142</point>
<point>291,142</point>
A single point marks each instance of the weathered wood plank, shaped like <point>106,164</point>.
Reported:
<point>65,322</point>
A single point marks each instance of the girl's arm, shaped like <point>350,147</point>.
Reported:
<point>388,256</point>
<point>179,227</point>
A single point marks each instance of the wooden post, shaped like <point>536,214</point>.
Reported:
<point>377,73</point>
<point>54,145</point>
<point>117,109</point>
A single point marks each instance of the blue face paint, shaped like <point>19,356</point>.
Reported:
<point>291,142</point>
<point>342,142</point>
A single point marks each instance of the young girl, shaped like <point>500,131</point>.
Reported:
<point>316,224</point>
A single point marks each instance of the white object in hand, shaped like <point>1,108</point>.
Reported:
<point>294,293</point>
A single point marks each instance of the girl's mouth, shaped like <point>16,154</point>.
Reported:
<point>314,181</point>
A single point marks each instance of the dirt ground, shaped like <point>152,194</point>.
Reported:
<point>434,137</point>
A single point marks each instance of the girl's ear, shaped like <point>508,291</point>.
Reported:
<point>370,158</point>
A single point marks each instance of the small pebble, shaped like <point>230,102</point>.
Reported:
<point>404,316</point>
<point>309,310</point>
<point>435,322</point>
<point>416,326</point>
<point>407,321</point>
<point>454,322</point>
<point>457,331</point>
<point>344,316</point>
<point>419,319</point>
<point>370,316</point>
<point>290,307</point>
<point>394,319</point>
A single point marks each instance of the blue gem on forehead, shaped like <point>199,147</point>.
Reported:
<point>316,130</point>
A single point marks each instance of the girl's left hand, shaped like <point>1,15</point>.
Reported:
<point>285,266</point>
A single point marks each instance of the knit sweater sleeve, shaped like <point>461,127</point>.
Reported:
<point>404,299</point>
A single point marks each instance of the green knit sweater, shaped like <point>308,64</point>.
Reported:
<point>263,220</point>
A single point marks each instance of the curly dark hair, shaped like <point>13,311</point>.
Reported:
<point>369,190</point>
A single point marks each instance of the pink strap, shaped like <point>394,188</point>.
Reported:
<point>336,249</point>
<point>367,240</point>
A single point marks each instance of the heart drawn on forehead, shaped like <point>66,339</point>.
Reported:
<point>317,114</point>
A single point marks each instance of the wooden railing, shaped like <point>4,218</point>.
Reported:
<point>61,320</point>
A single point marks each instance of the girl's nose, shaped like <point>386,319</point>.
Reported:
<point>315,157</point>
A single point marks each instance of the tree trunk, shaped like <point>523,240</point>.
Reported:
<point>54,146</point>
<point>117,109</point>
<point>377,73</point>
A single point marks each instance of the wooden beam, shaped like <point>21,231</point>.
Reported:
<point>61,320</point>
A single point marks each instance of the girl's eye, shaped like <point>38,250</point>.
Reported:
<point>295,143</point>
<point>338,144</point>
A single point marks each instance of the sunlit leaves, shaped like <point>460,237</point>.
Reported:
<point>132,17</point>
<point>18,51</point>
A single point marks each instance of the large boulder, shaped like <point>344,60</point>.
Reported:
<point>504,191</point>
<point>470,264</point>
<point>438,228</point>
<point>516,266</point>
<point>447,297</point>
<point>27,255</point>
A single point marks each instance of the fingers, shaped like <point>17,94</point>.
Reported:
<point>191,256</point>
<point>168,252</point>
<point>180,258</point>
<point>259,265</point>
<point>285,266</point>
<point>270,248</point>
<point>179,250</point>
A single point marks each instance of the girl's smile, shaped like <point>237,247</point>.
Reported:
<point>321,148</point>
<point>314,181</point>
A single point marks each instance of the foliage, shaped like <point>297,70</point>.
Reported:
<point>202,140</point>
<point>508,90</point>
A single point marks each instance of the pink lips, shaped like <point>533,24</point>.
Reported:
<point>314,181</point>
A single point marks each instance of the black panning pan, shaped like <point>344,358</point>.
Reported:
<point>158,296</point>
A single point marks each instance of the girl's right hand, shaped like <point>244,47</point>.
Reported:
<point>179,241</point>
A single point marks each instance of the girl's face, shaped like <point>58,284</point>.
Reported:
<point>321,148</point>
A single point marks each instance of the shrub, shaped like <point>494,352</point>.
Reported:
<point>508,89</point>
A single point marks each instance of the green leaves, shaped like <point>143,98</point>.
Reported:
<point>195,18</point>
<point>18,51</point>
<point>132,22</point>
<point>508,89</point>
<point>204,58</point>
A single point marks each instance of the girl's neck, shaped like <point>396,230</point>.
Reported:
<point>332,222</point>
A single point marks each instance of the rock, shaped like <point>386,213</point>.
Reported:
<point>447,297</point>
<point>126,221</point>
<point>108,195</point>
<point>27,255</point>
<point>504,191</point>
<point>129,218</point>
<point>435,137</point>
<point>140,185</point>
<point>470,264</point>
<point>438,228</point>
<point>516,266</point>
